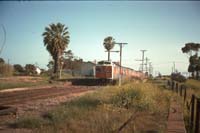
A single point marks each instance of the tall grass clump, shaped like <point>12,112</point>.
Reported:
<point>127,98</point>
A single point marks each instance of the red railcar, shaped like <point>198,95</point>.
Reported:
<point>110,70</point>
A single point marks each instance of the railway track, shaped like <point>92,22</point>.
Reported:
<point>19,97</point>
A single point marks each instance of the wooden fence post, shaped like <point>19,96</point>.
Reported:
<point>181,87</point>
<point>172,85</point>
<point>185,93</point>
<point>197,116</point>
<point>192,112</point>
<point>168,82</point>
<point>176,87</point>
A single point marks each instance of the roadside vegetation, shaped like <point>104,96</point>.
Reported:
<point>132,107</point>
<point>22,81</point>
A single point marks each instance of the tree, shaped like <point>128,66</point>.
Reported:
<point>109,43</point>
<point>191,69</point>
<point>30,69</point>
<point>192,50</point>
<point>18,68</point>
<point>56,40</point>
<point>50,65</point>
<point>71,62</point>
<point>197,69</point>
<point>68,55</point>
<point>2,61</point>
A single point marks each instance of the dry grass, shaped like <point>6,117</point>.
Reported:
<point>21,81</point>
<point>191,83</point>
<point>107,109</point>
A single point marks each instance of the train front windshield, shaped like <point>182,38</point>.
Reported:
<point>104,72</point>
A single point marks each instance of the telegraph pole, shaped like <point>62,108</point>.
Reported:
<point>143,59</point>
<point>146,64</point>
<point>174,67</point>
<point>150,68</point>
<point>120,62</point>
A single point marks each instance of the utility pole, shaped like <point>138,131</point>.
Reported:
<point>143,59</point>
<point>120,62</point>
<point>150,68</point>
<point>174,67</point>
<point>146,64</point>
<point>142,65</point>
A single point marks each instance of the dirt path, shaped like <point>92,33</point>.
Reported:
<point>175,119</point>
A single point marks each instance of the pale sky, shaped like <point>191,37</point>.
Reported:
<point>161,27</point>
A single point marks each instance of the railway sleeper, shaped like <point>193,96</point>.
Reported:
<point>8,110</point>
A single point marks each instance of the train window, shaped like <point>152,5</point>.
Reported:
<point>104,62</point>
<point>98,69</point>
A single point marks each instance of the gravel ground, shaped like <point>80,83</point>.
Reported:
<point>37,108</point>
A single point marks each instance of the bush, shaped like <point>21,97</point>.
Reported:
<point>178,77</point>
<point>127,98</point>
<point>29,122</point>
<point>6,70</point>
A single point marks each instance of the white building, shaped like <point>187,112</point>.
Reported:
<point>88,69</point>
<point>38,70</point>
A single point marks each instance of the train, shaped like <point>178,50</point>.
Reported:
<point>108,70</point>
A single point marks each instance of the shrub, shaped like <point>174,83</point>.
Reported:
<point>127,98</point>
<point>178,77</point>
<point>86,101</point>
<point>29,122</point>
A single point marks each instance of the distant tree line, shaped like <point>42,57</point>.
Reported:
<point>192,50</point>
<point>16,69</point>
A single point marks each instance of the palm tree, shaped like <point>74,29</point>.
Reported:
<point>109,43</point>
<point>56,40</point>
